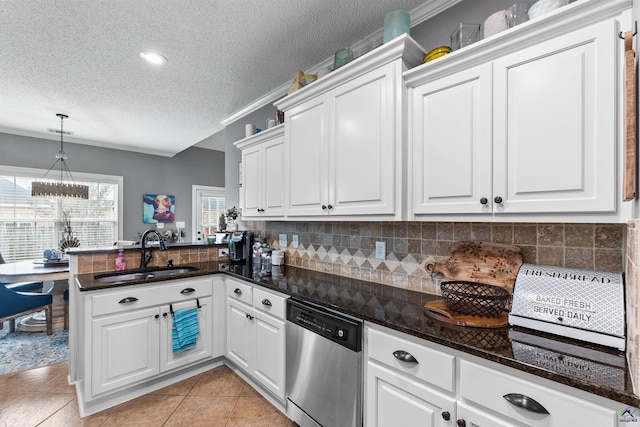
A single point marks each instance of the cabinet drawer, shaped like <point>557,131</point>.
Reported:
<point>133,297</point>
<point>239,291</point>
<point>270,302</point>
<point>432,366</point>
<point>487,387</point>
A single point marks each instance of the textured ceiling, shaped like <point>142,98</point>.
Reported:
<point>81,58</point>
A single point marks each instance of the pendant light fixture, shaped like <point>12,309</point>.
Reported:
<point>60,189</point>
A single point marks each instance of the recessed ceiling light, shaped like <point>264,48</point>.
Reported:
<point>153,58</point>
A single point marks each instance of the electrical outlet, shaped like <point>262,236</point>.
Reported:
<point>282,241</point>
<point>381,250</point>
<point>180,224</point>
<point>160,225</point>
<point>223,252</point>
<point>294,241</point>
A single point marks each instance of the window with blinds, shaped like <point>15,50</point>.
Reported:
<point>30,225</point>
<point>210,204</point>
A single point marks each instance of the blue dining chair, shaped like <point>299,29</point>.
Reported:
<point>17,299</point>
<point>16,304</point>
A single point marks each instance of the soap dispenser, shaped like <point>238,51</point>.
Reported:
<point>121,262</point>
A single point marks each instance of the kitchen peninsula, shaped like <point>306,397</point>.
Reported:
<point>588,373</point>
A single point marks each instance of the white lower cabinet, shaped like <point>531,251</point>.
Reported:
<point>531,404</point>
<point>130,336</point>
<point>256,334</point>
<point>395,399</point>
<point>409,386</point>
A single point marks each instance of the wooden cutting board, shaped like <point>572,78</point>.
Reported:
<point>437,310</point>
<point>481,262</point>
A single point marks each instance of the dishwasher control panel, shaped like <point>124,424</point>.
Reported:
<point>327,323</point>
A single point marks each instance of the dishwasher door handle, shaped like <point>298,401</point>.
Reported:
<point>404,356</point>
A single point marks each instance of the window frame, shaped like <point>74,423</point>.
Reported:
<point>37,173</point>
<point>196,191</point>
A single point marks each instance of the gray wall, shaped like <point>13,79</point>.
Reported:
<point>143,173</point>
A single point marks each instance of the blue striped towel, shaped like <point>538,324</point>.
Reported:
<point>185,329</point>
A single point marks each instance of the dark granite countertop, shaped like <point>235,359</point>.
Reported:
<point>589,367</point>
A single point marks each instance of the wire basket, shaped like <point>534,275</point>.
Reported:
<point>475,299</point>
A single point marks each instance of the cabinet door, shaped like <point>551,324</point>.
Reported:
<point>451,144</point>
<point>555,124</point>
<point>364,133</point>
<point>202,350</point>
<point>252,180</point>
<point>273,172</point>
<point>270,353</point>
<point>239,334</point>
<point>393,399</point>
<point>306,135</point>
<point>124,349</point>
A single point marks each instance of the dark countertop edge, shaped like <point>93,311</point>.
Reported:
<point>213,267</point>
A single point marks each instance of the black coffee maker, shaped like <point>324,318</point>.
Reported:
<point>240,246</point>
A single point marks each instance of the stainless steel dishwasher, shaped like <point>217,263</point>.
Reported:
<point>324,366</point>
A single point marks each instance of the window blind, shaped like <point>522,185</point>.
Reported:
<point>29,225</point>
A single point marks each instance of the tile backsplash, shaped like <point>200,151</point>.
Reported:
<point>348,248</point>
<point>632,278</point>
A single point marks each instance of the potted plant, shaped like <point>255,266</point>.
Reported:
<point>231,216</point>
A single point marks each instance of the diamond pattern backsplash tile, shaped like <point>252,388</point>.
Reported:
<point>348,248</point>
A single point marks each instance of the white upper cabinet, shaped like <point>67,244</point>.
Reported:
<point>263,174</point>
<point>451,151</point>
<point>345,138</point>
<point>525,126</point>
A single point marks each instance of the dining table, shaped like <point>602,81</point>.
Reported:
<point>33,270</point>
<point>39,270</point>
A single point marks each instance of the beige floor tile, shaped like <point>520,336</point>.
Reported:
<point>220,381</point>
<point>201,411</point>
<point>33,379</point>
<point>248,391</point>
<point>256,411</point>
<point>32,408</point>
<point>179,389</point>
<point>69,416</point>
<point>146,411</point>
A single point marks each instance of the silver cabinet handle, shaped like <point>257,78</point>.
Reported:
<point>404,356</point>
<point>127,300</point>
<point>266,302</point>
<point>187,290</point>
<point>237,291</point>
<point>526,403</point>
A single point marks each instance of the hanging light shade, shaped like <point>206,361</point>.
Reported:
<point>61,188</point>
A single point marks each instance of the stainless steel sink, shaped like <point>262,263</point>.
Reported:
<point>125,276</point>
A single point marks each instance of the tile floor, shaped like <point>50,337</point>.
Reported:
<point>42,397</point>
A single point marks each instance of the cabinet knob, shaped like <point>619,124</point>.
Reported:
<point>237,291</point>
<point>266,302</point>
<point>164,314</point>
<point>330,207</point>
<point>324,207</point>
<point>484,201</point>
<point>260,210</point>
<point>446,416</point>
<point>187,291</point>
<point>461,423</point>
<point>404,356</point>
<point>498,200</point>
<point>524,402</point>
<point>248,316</point>
<point>157,316</point>
<point>127,300</point>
